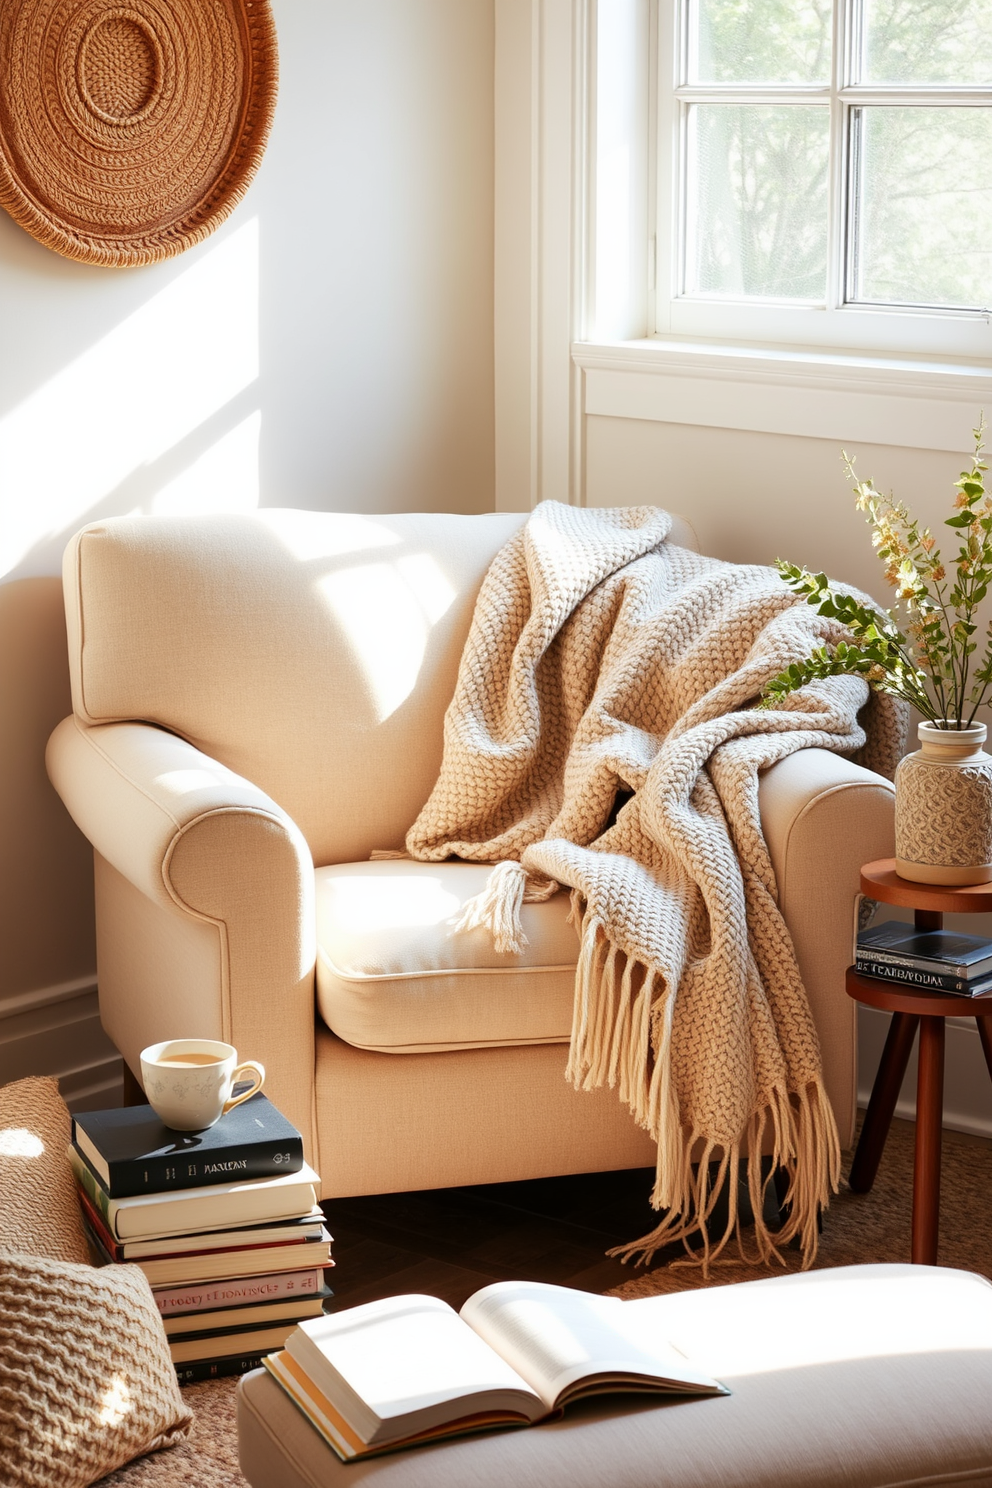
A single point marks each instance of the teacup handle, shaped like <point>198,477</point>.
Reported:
<point>248,1067</point>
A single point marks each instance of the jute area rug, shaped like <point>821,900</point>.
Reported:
<point>858,1228</point>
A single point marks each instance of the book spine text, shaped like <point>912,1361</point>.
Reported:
<point>199,1298</point>
<point>128,1178</point>
<point>976,972</point>
<point>910,976</point>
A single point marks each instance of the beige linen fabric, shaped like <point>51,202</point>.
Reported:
<point>86,1381</point>
<point>440,1120</point>
<point>392,975</point>
<point>39,1211</point>
<point>313,653</point>
<point>601,658</point>
<point>861,1377</point>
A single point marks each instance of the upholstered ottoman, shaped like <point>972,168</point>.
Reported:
<point>861,1377</point>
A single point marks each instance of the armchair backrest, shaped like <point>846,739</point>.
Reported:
<point>314,653</point>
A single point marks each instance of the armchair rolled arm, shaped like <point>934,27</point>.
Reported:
<point>822,817</point>
<point>208,923</point>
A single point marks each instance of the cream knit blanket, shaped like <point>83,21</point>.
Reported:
<point>602,659</point>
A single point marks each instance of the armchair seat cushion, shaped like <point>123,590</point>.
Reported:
<point>392,977</point>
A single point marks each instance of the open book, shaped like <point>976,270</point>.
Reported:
<point>411,1369</point>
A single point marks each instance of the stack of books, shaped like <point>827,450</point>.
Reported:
<point>933,960</point>
<point>224,1223</point>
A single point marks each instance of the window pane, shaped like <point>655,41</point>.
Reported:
<point>928,41</point>
<point>924,225</point>
<point>760,41</point>
<point>757,200</point>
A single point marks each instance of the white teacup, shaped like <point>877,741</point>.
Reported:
<point>188,1082</point>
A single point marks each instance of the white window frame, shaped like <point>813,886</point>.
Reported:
<point>833,323</point>
<point>566,350</point>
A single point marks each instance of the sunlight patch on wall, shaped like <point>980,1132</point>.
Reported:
<point>130,398</point>
<point>386,610</point>
<point>224,479</point>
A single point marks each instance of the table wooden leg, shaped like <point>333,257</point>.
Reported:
<point>884,1094</point>
<point>929,1117</point>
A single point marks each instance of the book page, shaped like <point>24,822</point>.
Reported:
<point>395,1366</point>
<point>559,1339</point>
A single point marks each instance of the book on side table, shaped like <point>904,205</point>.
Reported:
<point>410,1369</point>
<point>935,960</point>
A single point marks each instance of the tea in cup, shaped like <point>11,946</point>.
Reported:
<point>189,1082</point>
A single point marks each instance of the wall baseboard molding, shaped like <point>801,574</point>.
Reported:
<point>40,997</point>
<point>967,1086</point>
<point>57,1031</point>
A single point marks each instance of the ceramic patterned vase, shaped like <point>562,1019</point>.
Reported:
<point>944,808</point>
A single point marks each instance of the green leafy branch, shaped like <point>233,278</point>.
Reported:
<point>878,651</point>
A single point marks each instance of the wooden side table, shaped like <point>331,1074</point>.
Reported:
<point>912,1008</point>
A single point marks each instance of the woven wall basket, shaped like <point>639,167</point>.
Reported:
<point>129,132</point>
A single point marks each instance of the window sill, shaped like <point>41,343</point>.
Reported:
<point>916,403</point>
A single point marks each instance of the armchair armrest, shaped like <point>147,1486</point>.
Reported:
<point>206,887</point>
<point>822,817</point>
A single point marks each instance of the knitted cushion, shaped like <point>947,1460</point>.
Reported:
<point>40,1212</point>
<point>86,1381</point>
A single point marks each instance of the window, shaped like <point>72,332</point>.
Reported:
<point>825,172</point>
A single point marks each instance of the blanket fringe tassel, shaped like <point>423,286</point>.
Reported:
<point>621,1037</point>
<point>497,907</point>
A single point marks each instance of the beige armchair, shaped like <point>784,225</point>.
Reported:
<point>255,695</point>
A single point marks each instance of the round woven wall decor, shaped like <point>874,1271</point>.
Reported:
<point>129,132</point>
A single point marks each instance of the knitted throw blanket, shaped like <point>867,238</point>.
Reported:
<point>602,659</point>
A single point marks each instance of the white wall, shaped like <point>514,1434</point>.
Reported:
<point>329,347</point>
<point>755,497</point>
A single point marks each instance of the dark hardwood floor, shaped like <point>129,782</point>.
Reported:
<point>451,1241</point>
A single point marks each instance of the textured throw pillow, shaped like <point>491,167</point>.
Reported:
<point>86,1381</point>
<point>39,1211</point>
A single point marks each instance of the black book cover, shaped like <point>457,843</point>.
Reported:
<point>949,948</point>
<point>224,1335</point>
<point>924,981</point>
<point>132,1152</point>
